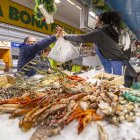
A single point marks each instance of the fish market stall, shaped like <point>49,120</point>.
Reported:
<point>58,106</point>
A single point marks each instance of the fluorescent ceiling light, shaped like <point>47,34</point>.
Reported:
<point>78,7</point>
<point>70,2</point>
<point>57,1</point>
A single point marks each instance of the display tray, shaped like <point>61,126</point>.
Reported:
<point>6,81</point>
<point>111,78</point>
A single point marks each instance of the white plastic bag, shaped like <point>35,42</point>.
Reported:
<point>63,51</point>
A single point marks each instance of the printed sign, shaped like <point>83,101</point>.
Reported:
<point>18,15</point>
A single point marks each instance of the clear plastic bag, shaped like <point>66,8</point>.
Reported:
<point>63,51</point>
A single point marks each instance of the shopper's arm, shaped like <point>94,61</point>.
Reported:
<point>38,46</point>
<point>92,37</point>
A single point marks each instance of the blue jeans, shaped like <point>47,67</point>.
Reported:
<point>110,66</point>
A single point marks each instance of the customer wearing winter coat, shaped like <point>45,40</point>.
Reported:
<point>31,48</point>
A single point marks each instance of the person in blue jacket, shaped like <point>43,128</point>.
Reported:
<point>31,48</point>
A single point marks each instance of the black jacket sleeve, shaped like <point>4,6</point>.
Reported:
<point>37,47</point>
<point>92,37</point>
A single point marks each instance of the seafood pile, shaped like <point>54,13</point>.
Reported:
<point>133,96</point>
<point>126,111</point>
<point>29,85</point>
<point>62,101</point>
<point>55,100</point>
<point>21,87</point>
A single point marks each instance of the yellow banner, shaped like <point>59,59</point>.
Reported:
<point>18,15</point>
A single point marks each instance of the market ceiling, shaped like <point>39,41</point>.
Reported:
<point>129,9</point>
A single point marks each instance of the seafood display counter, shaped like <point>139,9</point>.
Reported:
<point>57,106</point>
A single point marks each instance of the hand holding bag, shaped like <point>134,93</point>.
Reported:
<point>63,51</point>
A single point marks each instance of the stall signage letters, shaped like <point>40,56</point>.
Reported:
<point>15,14</point>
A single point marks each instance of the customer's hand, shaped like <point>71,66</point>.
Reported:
<point>59,32</point>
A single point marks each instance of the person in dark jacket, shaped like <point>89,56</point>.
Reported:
<point>106,38</point>
<point>30,48</point>
<point>45,63</point>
